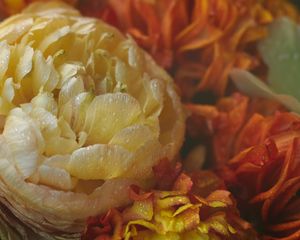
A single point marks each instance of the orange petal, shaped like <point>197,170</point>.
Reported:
<point>209,35</point>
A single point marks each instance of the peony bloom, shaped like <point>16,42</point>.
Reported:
<point>84,114</point>
<point>187,212</point>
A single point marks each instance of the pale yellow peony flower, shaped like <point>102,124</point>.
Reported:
<point>84,112</point>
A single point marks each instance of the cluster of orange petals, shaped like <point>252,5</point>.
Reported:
<point>195,204</point>
<point>200,41</point>
<point>256,148</point>
<point>257,153</point>
<point>223,122</point>
<point>266,172</point>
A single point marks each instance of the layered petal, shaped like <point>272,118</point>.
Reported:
<point>86,114</point>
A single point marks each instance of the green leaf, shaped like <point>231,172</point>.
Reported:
<point>254,87</point>
<point>281,52</point>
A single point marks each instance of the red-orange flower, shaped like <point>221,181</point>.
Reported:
<point>264,174</point>
<point>200,41</point>
<point>223,122</point>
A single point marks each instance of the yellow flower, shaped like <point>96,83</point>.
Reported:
<point>179,214</point>
<point>85,114</point>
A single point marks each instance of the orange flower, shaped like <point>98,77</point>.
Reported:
<point>175,214</point>
<point>200,40</point>
<point>223,124</point>
<point>264,173</point>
